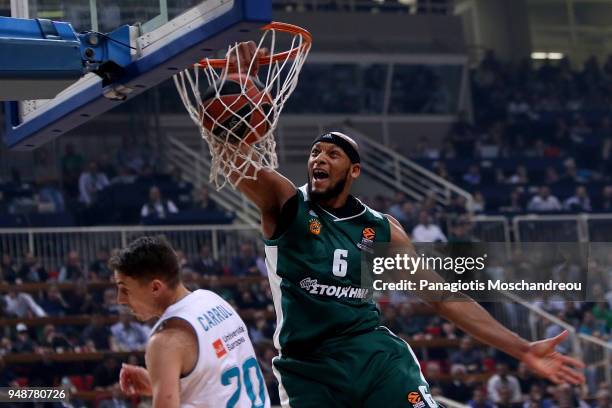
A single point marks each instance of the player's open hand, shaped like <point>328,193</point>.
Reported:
<point>543,359</point>
<point>134,380</point>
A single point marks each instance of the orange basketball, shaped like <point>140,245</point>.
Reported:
<point>239,111</point>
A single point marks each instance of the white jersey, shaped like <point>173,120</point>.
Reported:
<point>226,373</point>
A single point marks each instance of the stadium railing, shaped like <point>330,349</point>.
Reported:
<point>52,244</point>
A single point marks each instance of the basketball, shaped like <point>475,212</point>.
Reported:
<point>237,109</point>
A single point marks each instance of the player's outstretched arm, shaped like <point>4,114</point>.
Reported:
<point>541,356</point>
<point>270,190</point>
<point>169,352</point>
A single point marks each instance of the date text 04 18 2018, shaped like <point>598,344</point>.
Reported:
<point>33,394</point>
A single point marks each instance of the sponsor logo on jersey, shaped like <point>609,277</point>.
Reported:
<point>415,399</point>
<point>314,226</point>
<point>313,287</point>
<point>367,239</point>
<point>220,350</point>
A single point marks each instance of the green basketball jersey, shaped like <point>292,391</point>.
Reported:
<point>314,269</point>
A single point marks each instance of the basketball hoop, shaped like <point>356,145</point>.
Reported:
<point>239,132</point>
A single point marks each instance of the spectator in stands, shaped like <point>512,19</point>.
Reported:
<point>478,203</point>
<point>80,300</point>
<point>106,166</point>
<point>519,176</point>
<point>425,231</point>
<point>397,203</point>
<point>525,378</point>
<point>544,201</point>
<point>603,313</point>
<point>501,379</point>
<point>31,270</point>
<point>505,398</point>
<point>125,176</point>
<point>97,335</point>
<point>54,341</point>
<point>157,206</point>
<point>53,303</point>
<point>602,399</point>
<point>606,199</point>
<point>514,204</point>
<point>129,155</point>
<point>246,300</point>
<point>245,264</point>
<point>468,355</point>
<point>8,269</point>
<point>106,375</point>
<point>260,330</point>
<point>203,200</point>
<point>110,305</point>
<point>551,175</point>
<point>99,270</point>
<point>91,182</point>
<point>72,163</point>
<point>571,173</point>
<point>73,269</point>
<point>22,305</point>
<point>457,389</point>
<point>23,343</point>
<point>205,264</point>
<point>460,231</point>
<point>472,177</point>
<point>592,326</point>
<point>580,201</point>
<point>567,396</point>
<point>128,335</point>
<point>479,400</point>
<point>51,197</point>
<point>536,398</point>
<point>5,344</point>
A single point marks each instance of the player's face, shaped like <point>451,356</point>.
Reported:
<point>328,170</point>
<point>137,296</point>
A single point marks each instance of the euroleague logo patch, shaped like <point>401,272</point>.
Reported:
<point>369,233</point>
<point>414,398</point>
<point>367,239</point>
<point>421,399</point>
<point>314,226</point>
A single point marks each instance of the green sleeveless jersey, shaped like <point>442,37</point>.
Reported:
<point>314,269</point>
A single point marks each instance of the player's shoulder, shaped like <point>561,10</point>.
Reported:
<point>173,334</point>
<point>397,230</point>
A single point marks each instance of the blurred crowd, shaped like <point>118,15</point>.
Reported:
<point>129,188</point>
<point>540,139</point>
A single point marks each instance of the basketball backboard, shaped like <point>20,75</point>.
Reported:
<point>168,36</point>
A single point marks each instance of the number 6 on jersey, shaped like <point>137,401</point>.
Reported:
<point>340,265</point>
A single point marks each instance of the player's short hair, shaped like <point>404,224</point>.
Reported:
<point>148,258</point>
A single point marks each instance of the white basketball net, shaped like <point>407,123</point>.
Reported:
<point>233,159</point>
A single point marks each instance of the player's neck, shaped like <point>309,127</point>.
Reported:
<point>333,203</point>
<point>175,296</point>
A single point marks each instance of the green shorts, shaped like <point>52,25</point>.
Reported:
<point>370,370</point>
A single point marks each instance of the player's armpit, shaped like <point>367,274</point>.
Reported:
<point>269,192</point>
<point>402,244</point>
<point>168,353</point>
